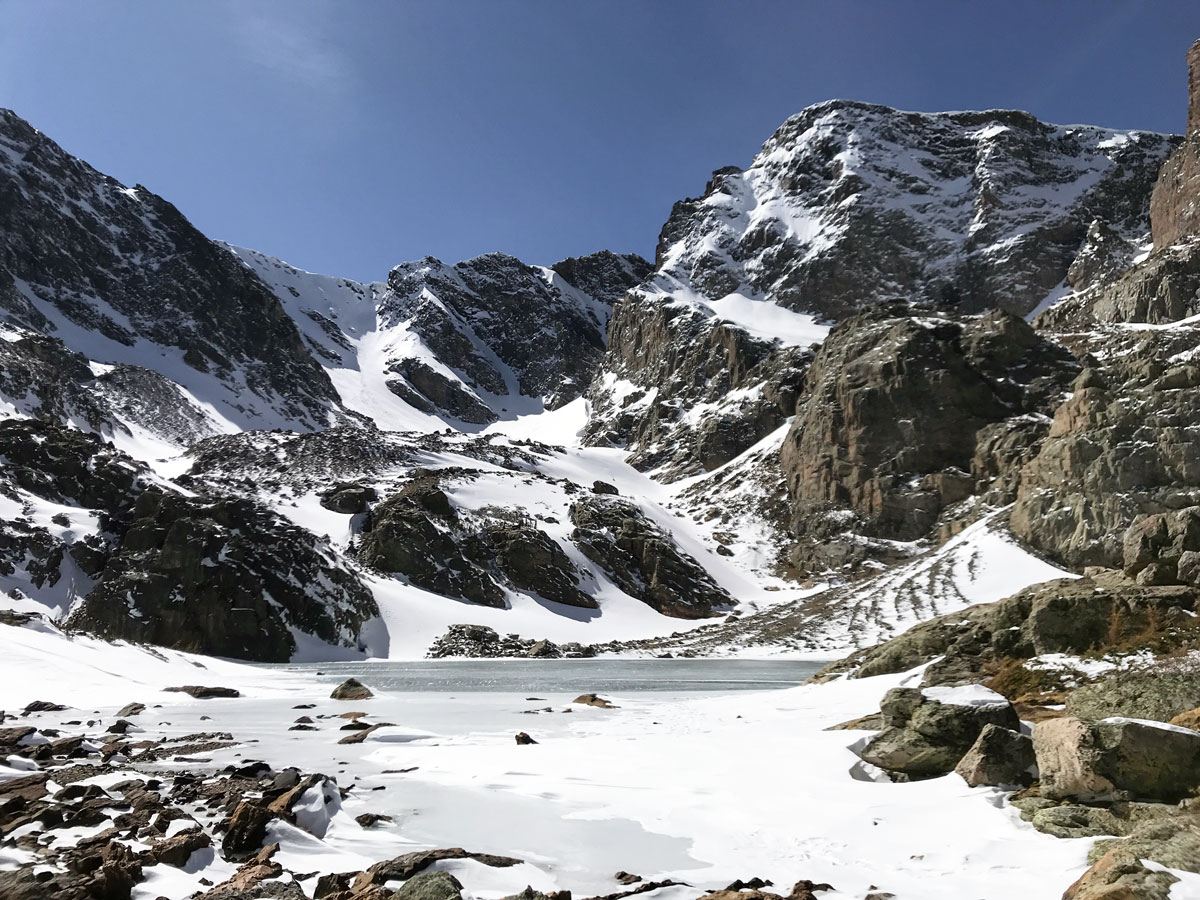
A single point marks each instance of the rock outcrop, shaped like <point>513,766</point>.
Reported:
<point>419,533</point>
<point>927,733</point>
<point>225,577</point>
<point>1175,203</point>
<point>831,217</point>
<point>905,412</point>
<point>642,559</point>
<point>1065,616</point>
<point>1121,445</point>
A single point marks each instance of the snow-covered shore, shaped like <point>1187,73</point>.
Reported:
<point>700,789</point>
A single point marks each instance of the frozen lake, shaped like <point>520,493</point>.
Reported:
<point>566,675</point>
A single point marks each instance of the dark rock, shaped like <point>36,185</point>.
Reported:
<point>998,757</point>
<point>524,739</point>
<point>248,575</point>
<point>603,487</point>
<point>43,706</point>
<point>430,886</point>
<point>349,498</point>
<point>351,689</point>
<point>925,737</point>
<point>404,867</point>
<point>370,820</point>
<point>644,561</point>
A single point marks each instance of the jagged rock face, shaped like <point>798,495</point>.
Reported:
<point>686,393</point>
<point>106,267</point>
<point>67,466</point>
<point>1175,204</point>
<point>224,577</point>
<point>213,575</point>
<point>1165,287</point>
<point>643,561</point>
<point>60,490</point>
<point>604,275</point>
<point>418,533</point>
<point>888,430</point>
<point>847,205</point>
<point>41,378</point>
<point>850,203</point>
<point>544,333</point>
<point>1123,444</point>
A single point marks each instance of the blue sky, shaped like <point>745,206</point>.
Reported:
<point>348,136</point>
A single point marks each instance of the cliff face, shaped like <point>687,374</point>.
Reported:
<point>849,205</point>
<point>1175,203</point>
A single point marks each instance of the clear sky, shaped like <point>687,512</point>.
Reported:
<point>348,136</point>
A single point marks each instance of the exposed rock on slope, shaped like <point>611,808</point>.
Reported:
<point>86,533</point>
<point>904,414</point>
<point>643,559</point>
<point>840,211</point>
<point>1123,444</point>
<point>484,339</point>
<point>120,273</point>
<point>224,577</point>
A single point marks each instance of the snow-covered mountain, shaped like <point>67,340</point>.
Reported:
<point>306,466</point>
<point>848,205</point>
<point>466,345</point>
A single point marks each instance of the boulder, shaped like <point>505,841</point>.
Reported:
<point>1116,759</point>
<point>430,886</point>
<point>351,689</point>
<point>593,700</point>
<point>1131,868</point>
<point>1153,694</point>
<point>999,756</point>
<point>927,732</point>
<point>349,498</point>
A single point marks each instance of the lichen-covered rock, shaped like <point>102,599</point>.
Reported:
<point>1155,694</point>
<point>926,734</point>
<point>430,886</point>
<point>999,756</point>
<point>1121,869</point>
<point>1122,445</point>
<point>1116,759</point>
<point>1062,616</point>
